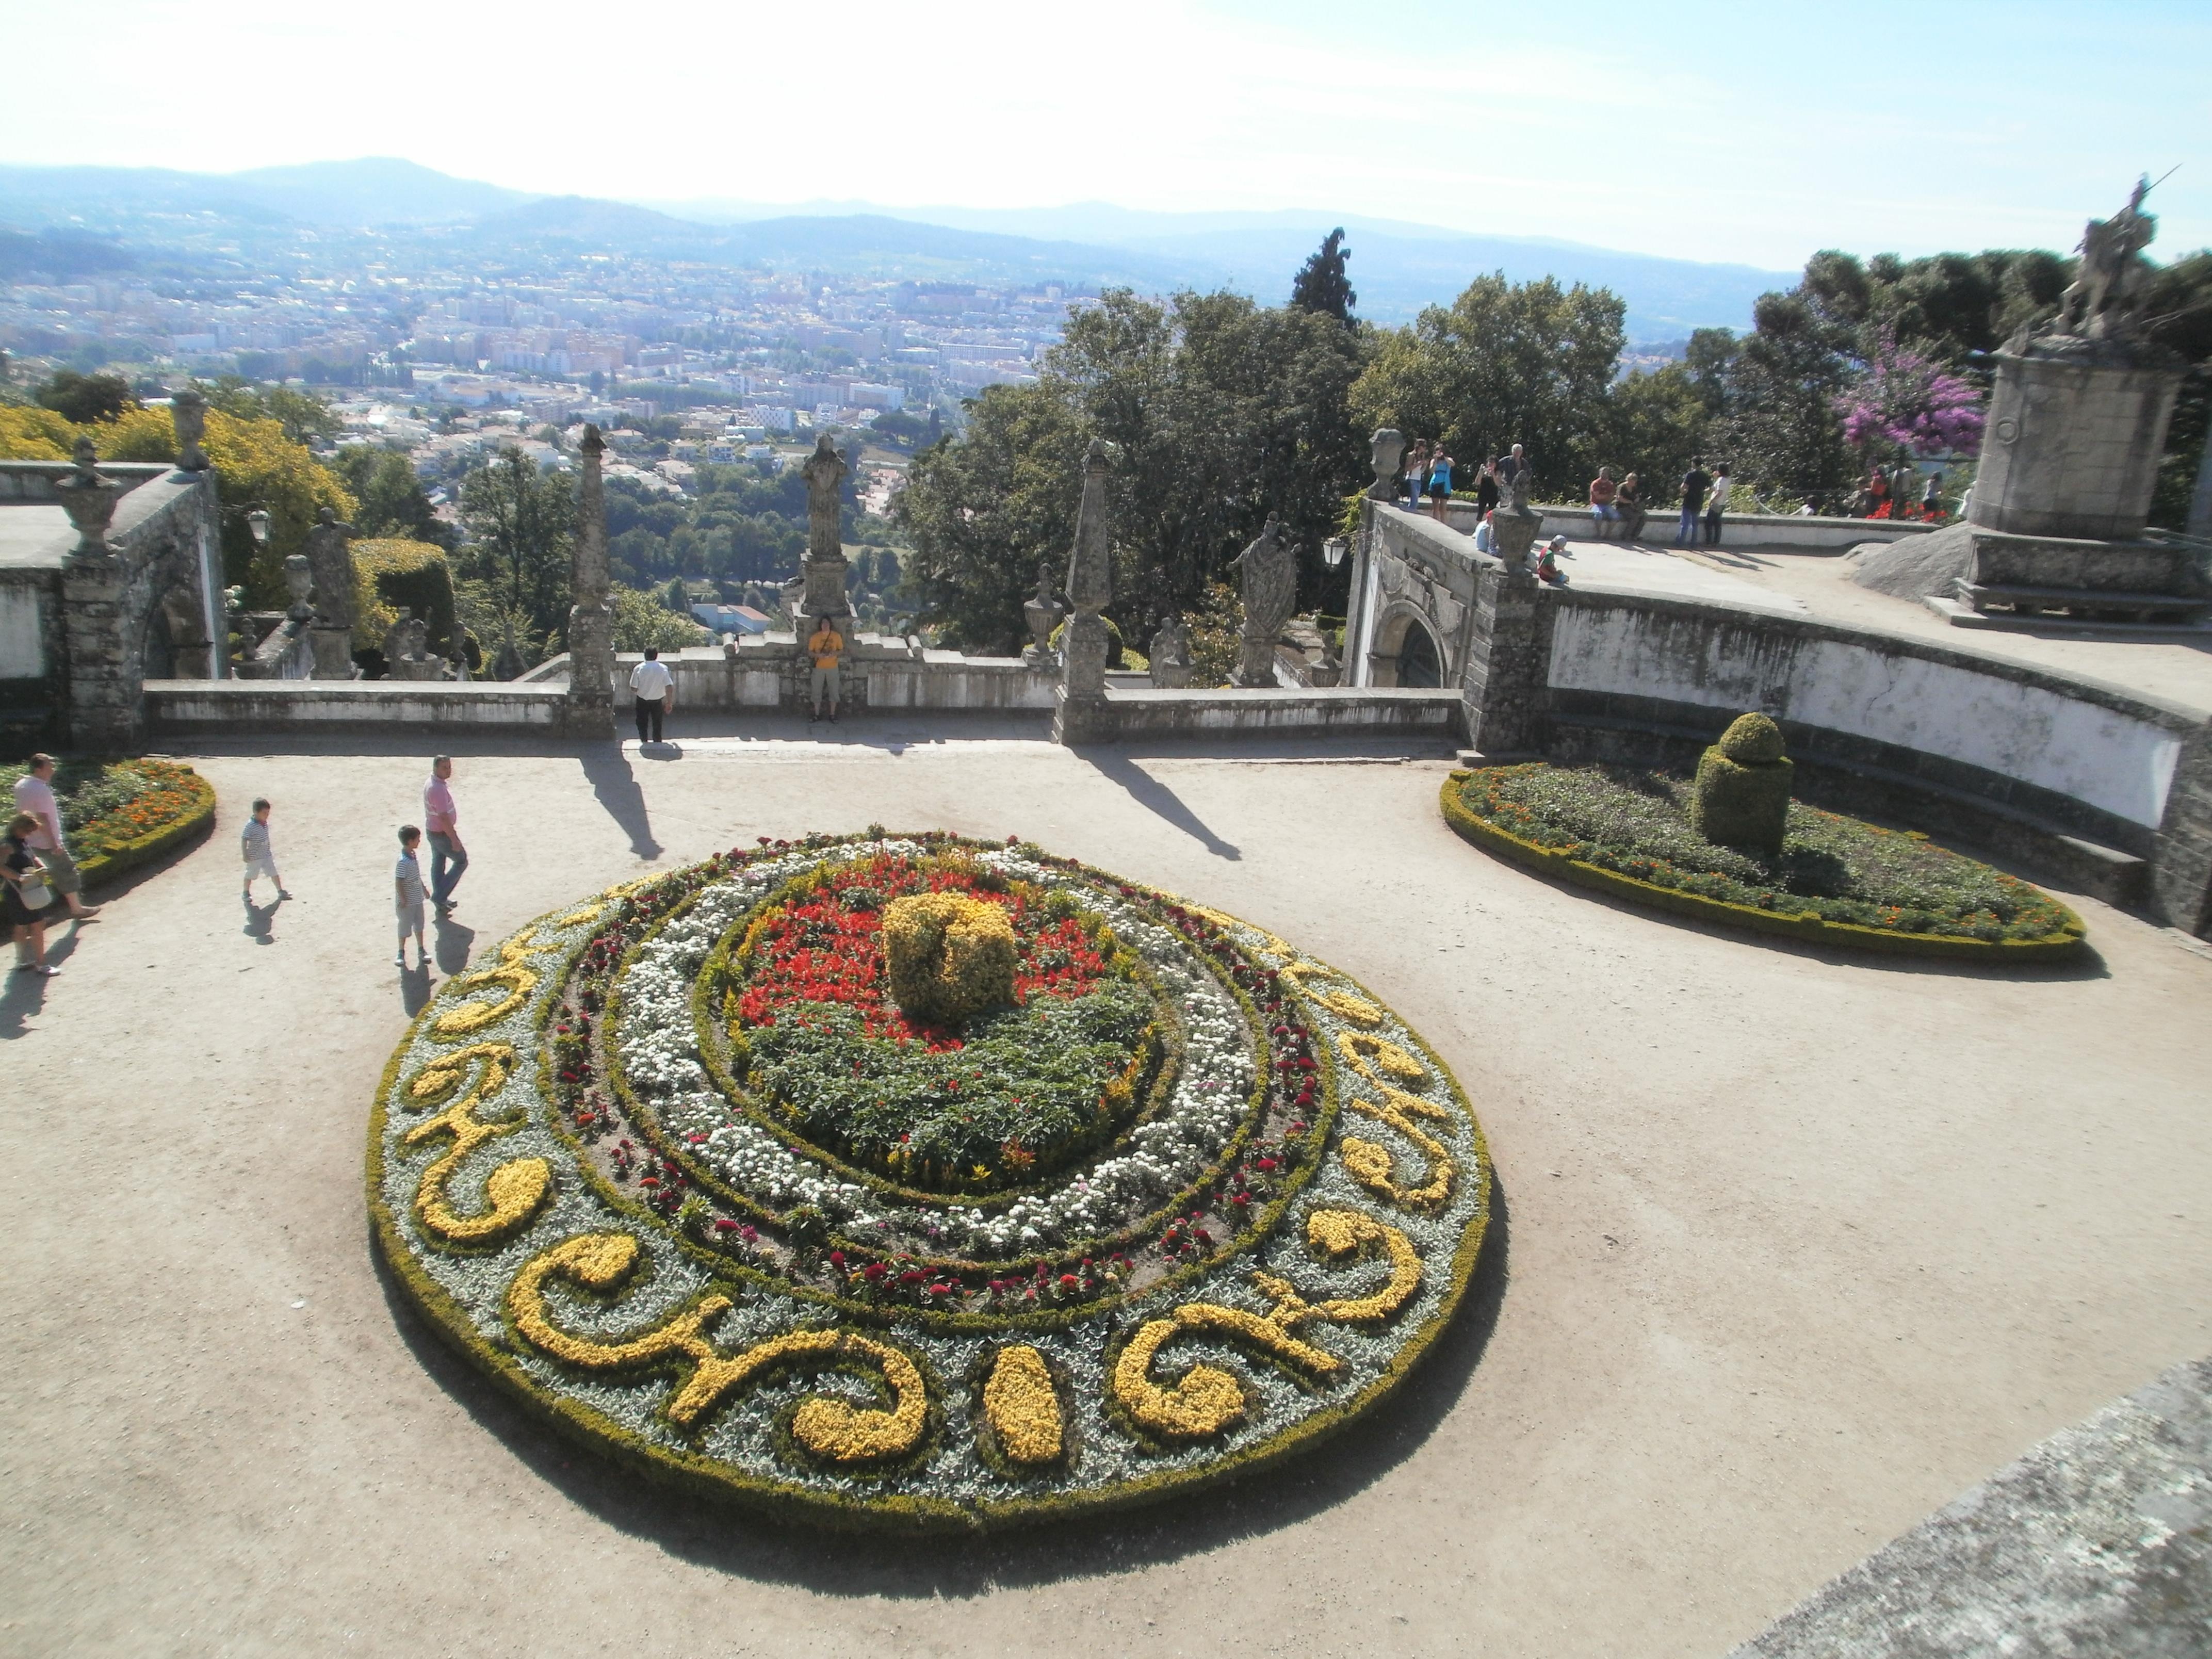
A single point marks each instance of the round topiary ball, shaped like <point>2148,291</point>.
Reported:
<point>1752,740</point>
<point>949,958</point>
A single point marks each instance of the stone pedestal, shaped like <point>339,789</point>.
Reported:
<point>2076,428</point>
<point>825,586</point>
<point>590,669</point>
<point>1503,686</point>
<point>333,649</point>
<point>2069,462</point>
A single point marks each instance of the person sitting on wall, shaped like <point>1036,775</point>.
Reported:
<point>1485,540</point>
<point>1603,493</point>
<point>1548,565</point>
<point>826,646</point>
<point>1628,503</point>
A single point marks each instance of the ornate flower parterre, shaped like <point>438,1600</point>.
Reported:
<point>588,1180</point>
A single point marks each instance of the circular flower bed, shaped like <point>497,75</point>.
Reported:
<point>915,1182</point>
<point>1837,880</point>
<point>120,814</point>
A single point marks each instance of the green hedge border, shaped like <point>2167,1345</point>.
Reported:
<point>1560,865</point>
<point>903,1513</point>
<point>116,861</point>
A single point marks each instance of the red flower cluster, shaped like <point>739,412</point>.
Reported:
<point>827,950</point>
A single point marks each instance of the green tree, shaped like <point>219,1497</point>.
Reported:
<point>644,620</point>
<point>982,511</point>
<point>1657,423</point>
<point>521,523</point>
<point>85,399</point>
<point>1222,412</point>
<point>1530,363</point>
<point>301,414</point>
<point>1782,430</point>
<point>1322,285</point>
<point>393,502</point>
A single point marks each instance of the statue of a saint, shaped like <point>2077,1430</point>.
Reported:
<point>1269,570</point>
<point>188,415</point>
<point>825,473</point>
<point>331,561</point>
<point>2107,290</point>
<point>1171,653</point>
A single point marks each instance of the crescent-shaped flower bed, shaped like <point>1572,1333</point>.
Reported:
<point>127,813</point>
<point>1837,881</point>
<point>924,1183</point>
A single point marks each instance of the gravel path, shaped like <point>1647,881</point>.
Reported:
<point>1798,1248</point>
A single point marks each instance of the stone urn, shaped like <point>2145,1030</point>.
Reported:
<point>1041,612</point>
<point>89,496</point>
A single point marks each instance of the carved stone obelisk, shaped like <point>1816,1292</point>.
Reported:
<point>591,619</point>
<point>1081,711</point>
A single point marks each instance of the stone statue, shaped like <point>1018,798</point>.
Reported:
<point>1269,569</point>
<point>299,581</point>
<point>407,650</point>
<point>2107,292</point>
<point>825,473</point>
<point>1043,613</point>
<point>332,560</point>
<point>188,415</point>
<point>1171,653</point>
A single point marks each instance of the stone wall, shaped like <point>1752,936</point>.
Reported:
<point>360,708</point>
<point>2093,786</point>
<point>1776,531</point>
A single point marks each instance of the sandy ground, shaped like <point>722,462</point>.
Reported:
<point>1796,1248</point>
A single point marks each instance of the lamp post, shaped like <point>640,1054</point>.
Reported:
<point>1333,552</point>
<point>257,523</point>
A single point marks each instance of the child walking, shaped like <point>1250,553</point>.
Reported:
<point>253,843</point>
<point>409,899</point>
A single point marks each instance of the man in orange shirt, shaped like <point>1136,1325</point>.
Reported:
<point>825,645</point>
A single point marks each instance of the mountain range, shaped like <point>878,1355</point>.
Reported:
<point>1397,267</point>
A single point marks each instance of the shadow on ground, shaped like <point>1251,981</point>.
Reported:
<point>1150,792</point>
<point>608,771</point>
<point>746,1544</point>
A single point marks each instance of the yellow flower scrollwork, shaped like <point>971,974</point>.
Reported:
<point>1342,1004</point>
<point>829,1428</point>
<point>513,971</point>
<point>1022,1407</point>
<point>1207,1400</point>
<point>514,1189</point>
<point>1368,1162</point>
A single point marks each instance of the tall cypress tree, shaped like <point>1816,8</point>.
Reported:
<point>1321,284</point>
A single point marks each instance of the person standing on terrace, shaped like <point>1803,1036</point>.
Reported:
<point>448,858</point>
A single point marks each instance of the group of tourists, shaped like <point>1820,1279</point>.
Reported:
<point>42,884</point>
<point>1900,493</point>
<point>449,858</point>
<point>1618,506</point>
<point>1704,500</point>
<point>1431,469</point>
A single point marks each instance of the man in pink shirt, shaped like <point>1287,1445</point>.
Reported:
<point>448,858</point>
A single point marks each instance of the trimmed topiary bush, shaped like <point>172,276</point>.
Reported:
<point>949,958</point>
<point>1741,795</point>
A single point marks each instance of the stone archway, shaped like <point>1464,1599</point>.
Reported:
<point>1407,641</point>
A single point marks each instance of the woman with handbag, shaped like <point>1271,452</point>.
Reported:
<point>26,896</point>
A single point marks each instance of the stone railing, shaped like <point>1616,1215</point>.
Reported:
<point>1778,531</point>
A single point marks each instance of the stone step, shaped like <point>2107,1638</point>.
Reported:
<point>1962,615</point>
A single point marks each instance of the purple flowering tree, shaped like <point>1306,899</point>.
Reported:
<point>1904,403</point>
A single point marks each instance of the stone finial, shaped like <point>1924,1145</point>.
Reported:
<point>1084,643</point>
<point>300,582</point>
<point>1385,451</point>
<point>188,415</point>
<point>89,496</point>
<point>1042,612</point>
<point>593,445</point>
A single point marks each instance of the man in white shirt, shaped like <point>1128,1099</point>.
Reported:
<point>35,794</point>
<point>655,690</point>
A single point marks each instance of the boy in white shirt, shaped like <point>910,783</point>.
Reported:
<point>254,844</point>
<point>408,899</point>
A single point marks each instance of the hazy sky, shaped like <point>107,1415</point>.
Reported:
<point>1755,133</point>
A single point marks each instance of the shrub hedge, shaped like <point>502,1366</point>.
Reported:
<point>2041,929</point>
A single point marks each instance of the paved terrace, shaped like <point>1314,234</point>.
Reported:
<point>2176,665</point>
<point>1793,1248</point>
